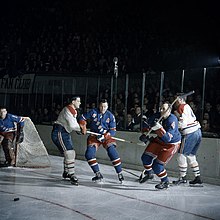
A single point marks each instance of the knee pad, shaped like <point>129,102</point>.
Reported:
<point>182,161</point>
<point>147,159</point>
<point>90,152</point>
<point>69,155</point>
<point>69,161</point>
<point>192,160</point>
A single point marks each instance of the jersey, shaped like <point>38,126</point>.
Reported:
<point>8,124</point>
<point>68,119</point>
<point>100,123</point>
<point>187,119</point>
<point>169,132</point>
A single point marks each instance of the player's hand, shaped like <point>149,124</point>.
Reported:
<point>107,136</point>
<point>101,138</point>
<point>83,129</point>
<point>156,126</point>
<point>144,138</point>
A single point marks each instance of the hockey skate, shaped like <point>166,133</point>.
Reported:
<point>98,177</point>
<point>66,175</point>
<point>120,178</point>
<point>145,176</point>
<point>74,180</point>
<point>196,182</point>
<point>7,164</point>
<point>162,185</point>
<point>181,180</point>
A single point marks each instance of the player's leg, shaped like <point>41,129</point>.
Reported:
<point>147,173</point>
<point>115,159</point>
<point>165,155</point>
<point>148,157</point>
<point>160,171</point>
<point>193,163</point>
<point>182,163</point>
<point>8,148</point>
<point>90,156</point>
<point>63,141</point>
<point>182,160</point>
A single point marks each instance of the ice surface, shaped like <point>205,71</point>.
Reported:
<point>44,195</point>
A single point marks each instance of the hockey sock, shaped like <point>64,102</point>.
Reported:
<point>182,163</point>
<point>69,157</point>
<point>160,171</point>
<point>147,162</point>
<point>114,157</point>
<point>194,164</point>
<point>90,157</point>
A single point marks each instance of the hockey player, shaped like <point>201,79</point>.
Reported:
<point>63,126</point>
<point>191,139</point>
<point>162,147</point>
<point>11,129</point>
<point>102,122</point>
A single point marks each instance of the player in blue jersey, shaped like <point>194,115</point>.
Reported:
<point>11,130</point>
<point>102,121</point>
<point>162,147</point>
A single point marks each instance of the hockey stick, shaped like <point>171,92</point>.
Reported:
<point>133,174</point>
<point>117,139</point>
<point>171,105</point>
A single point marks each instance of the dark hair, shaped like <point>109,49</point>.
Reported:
<point>103,101</point>
<point>3,107</point>
<point>74,98</point>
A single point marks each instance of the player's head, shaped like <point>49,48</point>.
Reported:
<point>76,101</point>
<point>165,109</point>
<point>3,112</point>
<point>180,99</point>
<point>103,105</point>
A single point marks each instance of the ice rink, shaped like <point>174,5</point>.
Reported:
<point>44,195</point>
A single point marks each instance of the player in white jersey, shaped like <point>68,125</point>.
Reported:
<point>63,126</point>
<point>191,139</point>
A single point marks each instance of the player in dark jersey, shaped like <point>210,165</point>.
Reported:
<point>11,130</point>
<point>162,147</point>
<point>102,121</point>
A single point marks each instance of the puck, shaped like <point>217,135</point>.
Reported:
<point>16,199</point>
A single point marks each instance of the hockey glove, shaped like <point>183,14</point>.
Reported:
<point>101,138</point>
<point>144,138</point>
<point>156,126</point>
<point>20,137</point>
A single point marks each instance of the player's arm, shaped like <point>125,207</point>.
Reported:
<point>183,115</point>
<point>83,121</point>
<point>167,135</point>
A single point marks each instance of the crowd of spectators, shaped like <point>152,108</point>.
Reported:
<point>82,38</point>
<point>73,37</point>
<point>129,117</point>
